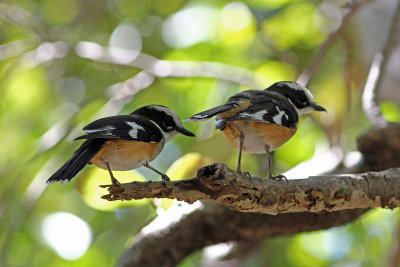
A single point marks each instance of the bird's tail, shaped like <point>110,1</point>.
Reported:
<point>80,158</point>
<point>205,115</point>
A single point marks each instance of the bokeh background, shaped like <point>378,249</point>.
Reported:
<point>64,63</point>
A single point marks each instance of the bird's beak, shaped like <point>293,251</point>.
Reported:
<point>317,107</point>
<point>185,131</point>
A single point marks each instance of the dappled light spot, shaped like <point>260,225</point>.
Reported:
<point>212,254</point>
<point>125,37</point>
<point>352,158</point>
<point>67,234</point>
<point>190,26</point>
<point>235,16</point>
<point>173,215</point>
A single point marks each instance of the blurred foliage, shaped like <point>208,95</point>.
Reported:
<point>50,90</point>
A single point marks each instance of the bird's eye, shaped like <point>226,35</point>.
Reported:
<point>302,96</point>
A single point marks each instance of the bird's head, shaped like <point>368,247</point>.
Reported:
<point>298,95</point>
<point>165,118</point>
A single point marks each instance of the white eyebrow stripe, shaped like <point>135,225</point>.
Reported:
<point>135,128</point>
<point>168,112</point>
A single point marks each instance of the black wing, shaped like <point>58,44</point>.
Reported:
<point>205,115</point>
<point>271,108</point>
<point>130,127</point>
<point>236,103</point>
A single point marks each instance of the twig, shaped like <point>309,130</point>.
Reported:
<point>375,77</point>
<point>318,56</point>
<point>170,68</point>
<point>14,49</point>
<point>17,15</point>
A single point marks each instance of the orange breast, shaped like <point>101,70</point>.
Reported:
<point>273,134</point>
<point>257,135</point>
<point>125,155</point>
<point>231,134</point>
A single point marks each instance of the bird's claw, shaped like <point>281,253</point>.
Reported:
<point>115,181</point>
<point>279,177</point>
<point>245,173</point>
<point>165,178</point>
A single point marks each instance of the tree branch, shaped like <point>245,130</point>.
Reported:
<point>315,194</point>
<point>375,76</point>
<point>215,224</point>
<point>319,55</point>
<point>380,148</point>
<point>170,68</point>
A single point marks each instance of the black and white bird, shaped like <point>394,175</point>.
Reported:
<point>123,142</point>
<point>260,121</point>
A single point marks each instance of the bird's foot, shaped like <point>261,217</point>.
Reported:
<point>115,181</point>
<point>245,173</point>
<point>278,177</point>
<point>165,178</point>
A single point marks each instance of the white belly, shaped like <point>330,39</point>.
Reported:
<point>119,164</point>
<point>253,143</point>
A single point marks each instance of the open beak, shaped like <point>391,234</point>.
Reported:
<point>317,107</point>
<point>185,132</point>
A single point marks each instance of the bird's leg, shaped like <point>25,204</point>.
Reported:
<point>241,140</point>
<point>280,176</point>
<point>113,180</point>
<point>239,167</point>
<point>268,150</point>
<point>164,177</point>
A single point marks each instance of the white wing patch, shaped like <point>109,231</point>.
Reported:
<point>259,115</point>
<point>135,128</point>
<point>105,129</point>
<point>278,117</point>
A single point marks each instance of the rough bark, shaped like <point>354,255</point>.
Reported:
<point>315,194</point>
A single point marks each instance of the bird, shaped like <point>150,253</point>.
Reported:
<point>123,142</point>
<point>260,121</point>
